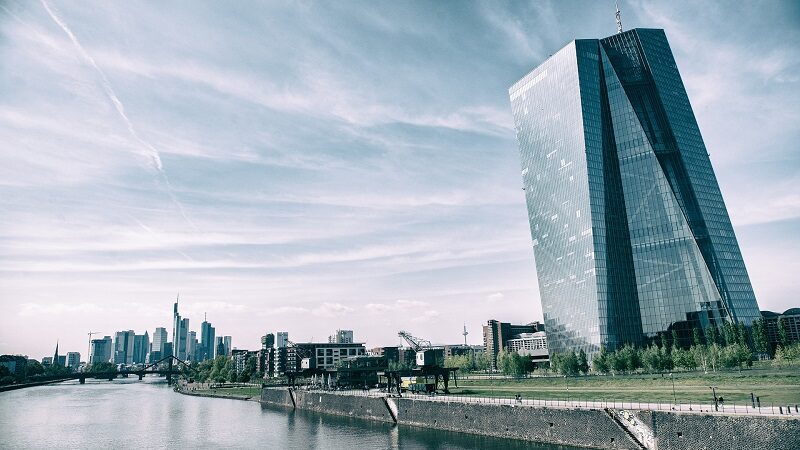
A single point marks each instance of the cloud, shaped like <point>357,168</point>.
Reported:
<point>328,309</point>
<point>197,308</point>
<point>37,309</point>
<point>496,297</point>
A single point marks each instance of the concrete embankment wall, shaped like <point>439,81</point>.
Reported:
<point>582,428</point>
<point>574,427</point>
<point>675,431</point>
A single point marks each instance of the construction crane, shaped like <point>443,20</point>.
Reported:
<point>89,351</point>
<point>416,343</point>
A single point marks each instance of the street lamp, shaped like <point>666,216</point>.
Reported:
<point>714,393</point>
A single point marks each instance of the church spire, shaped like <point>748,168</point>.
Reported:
<point>55,355</point>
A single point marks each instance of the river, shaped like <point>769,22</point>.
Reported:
<point>147,414</point>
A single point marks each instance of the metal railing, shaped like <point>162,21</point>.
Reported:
<point>724,408</point>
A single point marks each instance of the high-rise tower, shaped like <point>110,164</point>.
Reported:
<point>630,232</point>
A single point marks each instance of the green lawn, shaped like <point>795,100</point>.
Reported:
<point>778,386</point>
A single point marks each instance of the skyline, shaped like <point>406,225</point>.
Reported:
<point>289,168</point>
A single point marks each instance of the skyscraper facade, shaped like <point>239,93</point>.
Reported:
<point>630,232</point>
<point>141,345</point>
<point>101,350</point>
<point>157,346</point>
<point>180,334</point>
<point>123,347</point>
<point>207,340</point>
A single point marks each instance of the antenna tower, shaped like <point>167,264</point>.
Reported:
<point>619,18</point>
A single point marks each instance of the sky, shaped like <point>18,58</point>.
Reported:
<point>307,166</point>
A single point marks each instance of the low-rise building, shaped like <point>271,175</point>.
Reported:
<point>496,335</point>
<point>325,356</point>
<point>530,344</point>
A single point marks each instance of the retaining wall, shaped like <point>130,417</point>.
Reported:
<point>573,427</point>
<point>710,431</point>
<point>580,428</point>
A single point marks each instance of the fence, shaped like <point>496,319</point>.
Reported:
<point>722,408</point>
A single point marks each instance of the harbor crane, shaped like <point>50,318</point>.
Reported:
<point>416,343</point>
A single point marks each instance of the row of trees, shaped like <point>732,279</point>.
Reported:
<point>223,369</point>
<point>731,346</point>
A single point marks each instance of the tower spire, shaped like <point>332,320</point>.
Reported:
<point>619,18</point>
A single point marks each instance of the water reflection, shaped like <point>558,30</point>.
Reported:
<point>132,414</point>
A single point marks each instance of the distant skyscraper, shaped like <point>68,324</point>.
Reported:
<point>123,347</point>
<point>631,235</point>
<point>180,333</point>
<point>282,339</point>
<point>73,360</point>
<point>157,347</point>
<point>207,339</point>
<point>219,347</point>
<point>141,344</point>
<point>228,345</point>
<point>192,345</point>
<point>341,337</point>
<point>101,350</point>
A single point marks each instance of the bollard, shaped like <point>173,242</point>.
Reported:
<point>758,402</point>
<point>780,409</point>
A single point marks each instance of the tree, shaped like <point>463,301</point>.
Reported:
<point>676,342</point>
<point>729,333</point>
<point>631,358</point>
<point>651,360</point>
<point>482,361</point>
<point>600,363</point>
<point>760,339</point>
<point>512,363</point>
<point>697,339</point>
<point>712,335</point>
<point>742,334</point>
<point>583,363</point>
<point>33,368</point>
<point>665,344</point>
<point>683,359</point>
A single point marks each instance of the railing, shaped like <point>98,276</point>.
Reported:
<point>726,408</point>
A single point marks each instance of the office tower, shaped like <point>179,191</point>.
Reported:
<point>191,346</point>
<point>180,333</point>
<point>207,339</point>
<point>282,339</point>
<point>123,347</point>
<point>73,360</point>
<point>55,357</point>
<point>266,357</point>
<point>157,347</point>
<point>631,235</point>
<point>228,345</point>
<point>141,344</point>
<point>219,347</point>
<point>341,337</point>
<point>101,350</point>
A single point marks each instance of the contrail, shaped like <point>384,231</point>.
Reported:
<point>150,151</point>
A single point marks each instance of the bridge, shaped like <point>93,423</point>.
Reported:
<point>173,367</point>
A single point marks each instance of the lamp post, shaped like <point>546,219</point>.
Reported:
<point>714,393</point>
<point>674,398</point>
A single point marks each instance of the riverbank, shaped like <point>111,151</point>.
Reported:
<point>594,426</point>
<point>14,387</point>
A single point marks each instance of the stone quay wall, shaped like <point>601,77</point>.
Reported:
<point>675,431</point>
<point>593,428</point>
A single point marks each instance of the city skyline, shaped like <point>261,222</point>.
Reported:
<point>359,171</point>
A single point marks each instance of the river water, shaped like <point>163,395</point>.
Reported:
<point>147,414</point>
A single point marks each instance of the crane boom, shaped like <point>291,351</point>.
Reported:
<point>418,344</point>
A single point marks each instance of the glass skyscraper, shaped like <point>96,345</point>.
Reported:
<point>630,233</point>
